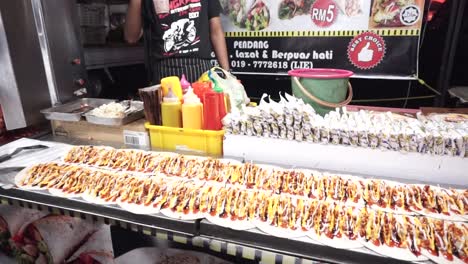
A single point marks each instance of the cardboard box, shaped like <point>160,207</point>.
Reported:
<point>132,134</point>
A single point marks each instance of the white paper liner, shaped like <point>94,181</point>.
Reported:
<point>397,211</point>
<point>452,217</point>
<point>230,161</point>
<point>95,200</point>
<point>341,243</point>
<point>199,158</point>
<point>394,252</point>
<point>269,167</point>
<point>182,216</point>
<point>226,222</point>
<point>278,231</point>
<point>308,239</point>
<point>441,259</point>
<point>139,209</point>
<point>60,193</point>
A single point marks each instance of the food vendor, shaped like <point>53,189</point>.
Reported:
<point>180,36</point>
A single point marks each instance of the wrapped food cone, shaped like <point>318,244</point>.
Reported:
<point>96,250</point>
<point>12,220</point>
<point>153,255</point>
<point>51,239</point>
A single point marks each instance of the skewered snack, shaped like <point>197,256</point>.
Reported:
<point>286,203</point>
<point>379,194</point>
<point>443,242</point>
<point>407,222</point>
<point>230,207</point>
<point>184,202</point>
<point>341,233</point>
<point>396,236</point>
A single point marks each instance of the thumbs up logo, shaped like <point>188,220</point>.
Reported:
<point>366,50</point>
<point>366,54</point>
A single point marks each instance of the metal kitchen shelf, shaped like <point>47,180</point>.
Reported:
<point>97,57</point>
<point>250,244</point>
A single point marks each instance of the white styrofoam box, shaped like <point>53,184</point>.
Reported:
<point>412,167</point>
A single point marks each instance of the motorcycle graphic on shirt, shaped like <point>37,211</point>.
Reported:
<point>182,33</point>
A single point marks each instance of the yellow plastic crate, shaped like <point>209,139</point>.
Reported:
<point>193,140</point>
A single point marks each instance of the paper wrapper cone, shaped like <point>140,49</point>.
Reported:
<point>52,239</point>
<point>152,255</point>
<point>12,220</point>
<point>97,249</point>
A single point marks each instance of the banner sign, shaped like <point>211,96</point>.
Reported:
<point>373,38</point>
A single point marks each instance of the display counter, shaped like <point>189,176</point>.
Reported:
<point>185,233</point>
<point>251,244</point>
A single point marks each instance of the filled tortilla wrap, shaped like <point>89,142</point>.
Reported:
<point>51,239</point>
<point>96,250</point>
<point>12,220</point>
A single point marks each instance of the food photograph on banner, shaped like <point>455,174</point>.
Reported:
<point>233,131</point>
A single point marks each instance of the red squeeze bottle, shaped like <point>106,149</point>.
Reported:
<point>211,115</point>
<point>200,88</point>
<point>221,106</point>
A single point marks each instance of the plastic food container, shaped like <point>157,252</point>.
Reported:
<point>190,140</point>
<point>118,121</point>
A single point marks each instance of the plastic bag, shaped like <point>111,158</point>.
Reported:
<point>231,86</point>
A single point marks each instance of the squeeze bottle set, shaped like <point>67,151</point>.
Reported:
<point>173,83</point>
<point>170,110</point>
<point>184,84</point>
<point>202,107</point>
<point>192,110</point>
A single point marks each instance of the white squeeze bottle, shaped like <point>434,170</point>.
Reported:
<point>192,111</point>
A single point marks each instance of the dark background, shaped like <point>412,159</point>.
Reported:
<point>390,93</point>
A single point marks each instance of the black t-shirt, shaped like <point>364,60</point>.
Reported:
<point>183,32</point>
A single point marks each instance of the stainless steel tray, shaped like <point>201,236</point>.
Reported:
<point>73,111</point>
<point>118,121</point>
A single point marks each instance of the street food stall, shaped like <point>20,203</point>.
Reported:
<point>203,175</point>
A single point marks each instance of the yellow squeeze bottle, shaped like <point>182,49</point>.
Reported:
<point>171,110</point>
<point>172,82</point>
<point>192,111</point>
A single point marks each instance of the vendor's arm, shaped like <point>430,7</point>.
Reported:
<point>218,42</point>
<point>133,29</point>
<point>217,34</point>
